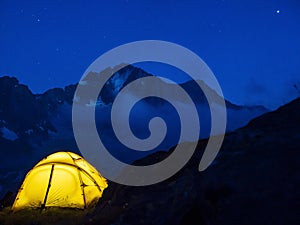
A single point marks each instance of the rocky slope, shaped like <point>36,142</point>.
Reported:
<point>254,180</point>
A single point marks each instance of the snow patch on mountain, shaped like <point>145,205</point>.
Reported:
<point>8,134</point>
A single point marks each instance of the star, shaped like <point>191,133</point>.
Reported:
<point>38,20</point>
<point>277,11</point>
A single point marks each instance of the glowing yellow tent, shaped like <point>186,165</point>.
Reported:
<point>63,179</point>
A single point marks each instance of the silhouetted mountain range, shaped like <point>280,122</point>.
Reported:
<point>253,180</point>
<point>35,125</point>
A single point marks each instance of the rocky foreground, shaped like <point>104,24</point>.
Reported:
<point>254,180</point>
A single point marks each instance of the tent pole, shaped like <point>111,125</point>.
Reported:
<point>82,187</point>
<point>48,188</point>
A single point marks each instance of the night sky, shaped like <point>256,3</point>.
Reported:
<point>253,47</point>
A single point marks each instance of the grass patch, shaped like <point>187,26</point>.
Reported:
<point>48,216</point>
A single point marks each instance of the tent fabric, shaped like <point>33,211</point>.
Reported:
<point>63,179</point>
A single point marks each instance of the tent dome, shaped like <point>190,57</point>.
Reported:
<point>62,179</point>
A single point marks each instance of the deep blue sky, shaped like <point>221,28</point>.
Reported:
<point>253,47</point>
